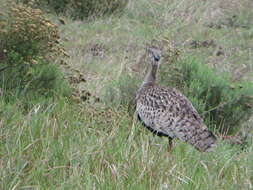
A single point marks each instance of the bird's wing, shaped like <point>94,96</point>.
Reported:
<point>165,109</point>
<point>168,111</point>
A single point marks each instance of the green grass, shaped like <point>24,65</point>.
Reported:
<point>56,144</point>
<point>59,146</point>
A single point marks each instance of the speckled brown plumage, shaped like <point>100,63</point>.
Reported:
<point>167,112</point>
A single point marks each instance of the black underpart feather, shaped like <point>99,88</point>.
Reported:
<point>211,135</point>
<point>155,132</point>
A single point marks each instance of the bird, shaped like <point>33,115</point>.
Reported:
<point>166,112</point>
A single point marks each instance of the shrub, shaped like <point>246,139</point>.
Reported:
<point>83,8</point>
<point>224,105</point>
<point>29,45</point>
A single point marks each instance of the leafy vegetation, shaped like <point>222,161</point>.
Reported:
<point>80,9</point>
<point>29,49</point>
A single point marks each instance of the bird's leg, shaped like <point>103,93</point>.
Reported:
<point>170,145</point>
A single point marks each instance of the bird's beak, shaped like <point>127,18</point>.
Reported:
<point>156,57</point>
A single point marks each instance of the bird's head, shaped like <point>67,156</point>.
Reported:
<point>154,55</point>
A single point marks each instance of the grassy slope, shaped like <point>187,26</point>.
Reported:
<point>59,145</point>
<point>64,147</point>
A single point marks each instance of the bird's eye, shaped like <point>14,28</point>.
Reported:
<point>156,57</point>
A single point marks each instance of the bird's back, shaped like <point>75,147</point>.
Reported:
<point>166,111</point>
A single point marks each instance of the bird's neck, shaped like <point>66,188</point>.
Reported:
<point>150,77</point>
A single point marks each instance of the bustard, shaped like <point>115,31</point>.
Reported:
<point>167,112</point>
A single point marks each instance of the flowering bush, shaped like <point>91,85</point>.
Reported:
<point>29,43</point>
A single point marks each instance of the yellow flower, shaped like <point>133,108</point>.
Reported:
<point>34,62</point>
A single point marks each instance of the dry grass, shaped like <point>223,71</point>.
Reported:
<point>226,44</point>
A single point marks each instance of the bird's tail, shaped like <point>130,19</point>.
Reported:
<point>204,141</point>
<point>201,138</point>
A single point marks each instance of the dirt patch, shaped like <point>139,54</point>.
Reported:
<point>77,79</point>
<point>199,44</point>
<point>95,49</point>
<point>81,96</point>
<point>230,22</point>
